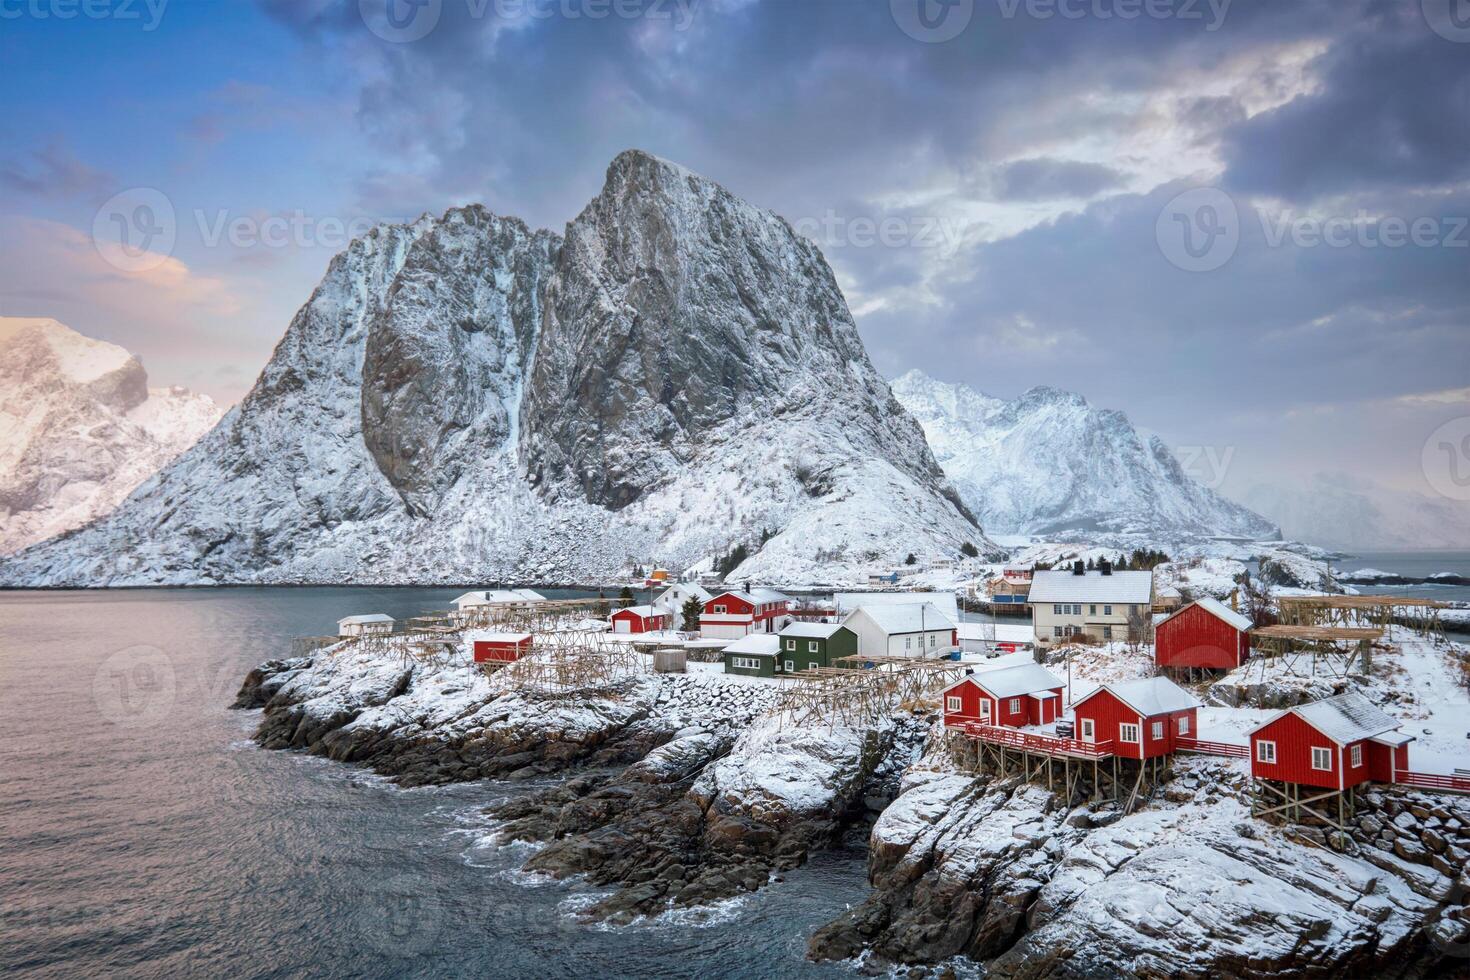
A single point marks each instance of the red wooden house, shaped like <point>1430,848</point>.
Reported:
<point>1335,743</point>
<point>1143,718</point>
<point>1205,633</point>
<point>501,648</point>
<point>731,615</point>
<point>1027,694</point>
<point>640,619</point>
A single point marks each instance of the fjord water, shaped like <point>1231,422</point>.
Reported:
<point>142,834</point>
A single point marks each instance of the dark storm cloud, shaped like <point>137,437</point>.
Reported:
<point>1041,179</point>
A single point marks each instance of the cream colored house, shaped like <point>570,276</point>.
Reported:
<point>1099,604</point>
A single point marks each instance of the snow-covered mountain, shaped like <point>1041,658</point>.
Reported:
<point>79,428</point>
<point>464,399</point>
<point>1049,464</point>
<point>1342,511</point>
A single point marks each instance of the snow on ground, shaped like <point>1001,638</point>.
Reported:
<point>1231,725</point>
<point>777,769</point>
<point>1197,577</point>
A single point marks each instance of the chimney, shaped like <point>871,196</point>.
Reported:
<point>1235,599</point>
<point>1078,568</point>
<point>1105,567</point>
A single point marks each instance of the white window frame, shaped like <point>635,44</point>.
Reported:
<point>1124,727</point>
<point>953,702</point>
<point>908,642</point>
<point>1357,755</point>
<point>1056,631</point>
<point>1089,732</point>
<point>1158,730</point>
<point>791,644</point>
<point>1184,724</point>
<point>1318,752</point>
<point>1107,632</point>
<point>1015,706</point>
<point>1266,752</point>
<point>717,610</point>
<point>1056,609</point>
<point>984,709</point>
<point>1092,609</point>
<point>811,646</point>
<point>790,666</point>
<point>745,663</point>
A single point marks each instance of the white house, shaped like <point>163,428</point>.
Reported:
<point>370,624</point>
<point>914,629</point>
<point>945,602</point>
<point>471,603</point>
<point>672,599</point>
<point>1099,603</point>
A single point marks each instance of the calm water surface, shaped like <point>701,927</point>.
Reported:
<point>142,834</point>
<point>1416,564</point>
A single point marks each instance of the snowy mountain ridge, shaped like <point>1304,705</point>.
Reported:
<point>463,399</point>
<point>1048,463</point>
<point>79,428</point>
<point>1342,511</point>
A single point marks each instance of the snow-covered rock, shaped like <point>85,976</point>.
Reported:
<point>79,428</point>
<point>1050,464</point>
<point>464,399</point>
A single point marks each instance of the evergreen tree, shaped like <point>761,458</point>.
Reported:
<point>625,598</point>
<point>690,613</point>
<point>969,550</point>
<point>911,560</point>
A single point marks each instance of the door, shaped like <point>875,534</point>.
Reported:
<point>1088,735</point>
<point>984,711</point>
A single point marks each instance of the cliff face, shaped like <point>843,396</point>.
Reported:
<point>79,428</point>
<point>465,399</point>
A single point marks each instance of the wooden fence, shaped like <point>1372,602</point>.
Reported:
<point>1227,749</point>
<point>1033,742</point>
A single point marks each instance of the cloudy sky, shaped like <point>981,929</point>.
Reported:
<point>1244,223</point>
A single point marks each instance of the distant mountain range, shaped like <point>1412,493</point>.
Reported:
<point>1341,511</point>
<point>1051,465</point>
<point>79,428</point>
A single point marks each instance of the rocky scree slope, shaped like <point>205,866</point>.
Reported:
<point>1048,463</point>
<point>464,399</point>
<point>79,428</point>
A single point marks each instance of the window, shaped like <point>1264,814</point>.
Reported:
<point>933,639</point>
<point>1158,730</point>
<point>953,703</point>
<point>1087,730</point>
<point>811,647</point>
<point>1128,732</point>
<point>1107,632</point>
<point>1015,705</point>
<point>1076,609</point>
<point>1107,610</point>
<point>790,666</point>
<point>908,642</point>
<point>1184,724</point>
<point>1056,631</point>
<point>791,644</point>
<point>1266,752</point>
<point>1357,756</point>
<point>984,709</point>
<point>1056,609</point>
<point>719,609</point>
<point>749,663</point>
<point>812,664</point>
<point>1092,609</point>
<point>1322,759</point>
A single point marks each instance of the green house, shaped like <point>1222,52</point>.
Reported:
<point>753,655</point>
<point>807,645</point>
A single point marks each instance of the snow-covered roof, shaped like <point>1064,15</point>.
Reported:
<point>490,597</point>
<point>998,632</point>
<point>1217,609</point>
<point>1119,587</point>
<point>818,630</point>
<point>364,619</point>
<point>1149,695</point>
<point>1344,718</point>
<point>1393,738</point>
<point>688,590</point>
<point>756,645</point>
<point>946,601</point>
<point>911,617</point>
<point>644,611</point>
<point>757,597</point>
<point>1013,682</point>
<point>502,637</point>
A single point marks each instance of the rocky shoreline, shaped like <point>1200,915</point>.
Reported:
<point>682,790</point>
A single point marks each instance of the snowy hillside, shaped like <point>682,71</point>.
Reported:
<point>465,399</point>
<point>1341,511</point>
<point>79,428</point>
<point>1048,463</point>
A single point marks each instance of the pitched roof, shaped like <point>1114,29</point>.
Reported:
<point>502,637</point>
<point>912,617</point>
<point>1119,587</point>
<point>645,611</point>
<point>1344,718</point>
<point>1149,696</point>
<point>756,597</point>
<point>1217,609</point>
<point>365,618</point>
<point>945,601</point>
<point>756,645</point>
<point>1013,682</point>
<point>817,630</point>
<point>490,597</point>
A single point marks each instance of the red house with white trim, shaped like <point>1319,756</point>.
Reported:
<point>1027,694</point>
<point>1335,743</point>
<point>501,648</point>
<point>1206,633</point>
<point>640,619</point>
<point>731,615</point>
<point>1143,718</point>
